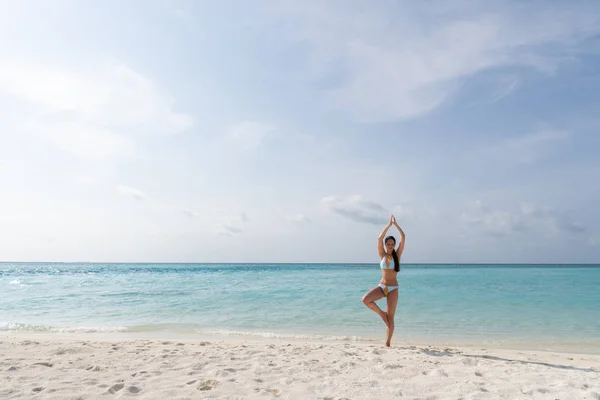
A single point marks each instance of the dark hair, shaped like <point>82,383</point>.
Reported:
<point>394,255</point>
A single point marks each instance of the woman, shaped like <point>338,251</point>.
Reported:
<point>388,286</point>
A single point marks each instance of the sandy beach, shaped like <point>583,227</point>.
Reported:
<point>58,367</point>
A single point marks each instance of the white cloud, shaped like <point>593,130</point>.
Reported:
<point>135,193</point>
<point>408,67</point>
<point>93,112</point>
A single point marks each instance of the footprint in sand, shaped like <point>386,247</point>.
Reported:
<point>393,366</point>
<point>133,389</point>
<point>208,384</point>
<point>275,392</point>
<point>62,351</point>
<point>115,388</point>
<point>38,389</point>
<point>45,364</point>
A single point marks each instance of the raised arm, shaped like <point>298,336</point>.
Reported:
<point>380,249</point>
<point>402,237</point>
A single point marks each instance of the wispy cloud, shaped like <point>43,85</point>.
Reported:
<point>190,213</point>
<point>91,112</point>
<point>506,87</point>
<point>229,230</point>
<point>530,218</point>
<point>491,222</point>
<point>233,226</point>
<point>410,67</point>
<point>132,192</point>
<point>143,197</point>
<point>550,219</point>
<point>357,209</point>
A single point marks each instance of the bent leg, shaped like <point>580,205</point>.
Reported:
<point>369,300</point>
<point>392,302</point>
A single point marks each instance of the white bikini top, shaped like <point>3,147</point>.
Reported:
<point>383,264</point>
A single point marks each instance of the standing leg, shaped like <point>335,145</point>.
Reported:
<point>392,302</point>
<point>369,300</point>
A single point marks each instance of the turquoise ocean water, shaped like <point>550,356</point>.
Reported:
<point>552,307</point>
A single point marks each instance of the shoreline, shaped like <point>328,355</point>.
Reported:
<point>94,365</point>
<point>398,341</point>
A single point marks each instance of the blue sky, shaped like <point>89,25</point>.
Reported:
<point>280,131</point>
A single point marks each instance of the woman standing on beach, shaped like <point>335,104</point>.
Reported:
<point>389,262</point>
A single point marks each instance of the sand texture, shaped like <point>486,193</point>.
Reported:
<point>58,368</point>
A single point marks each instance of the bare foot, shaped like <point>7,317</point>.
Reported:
<point>387,344</point>
<point>384,317</point>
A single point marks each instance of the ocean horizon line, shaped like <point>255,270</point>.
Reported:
<point>280,263</point>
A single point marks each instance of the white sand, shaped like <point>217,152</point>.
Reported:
<point>80,368</point>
